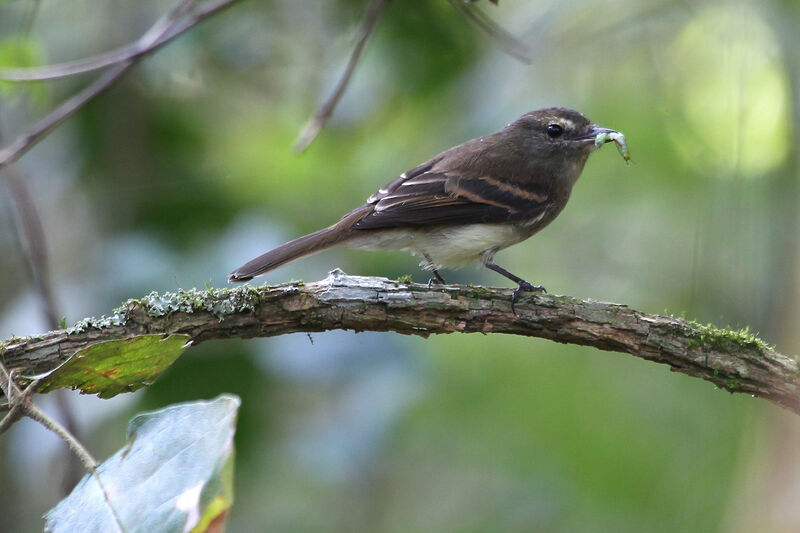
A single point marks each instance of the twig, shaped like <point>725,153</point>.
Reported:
<point>30,16</point>
<point>30,231</point>
<point>163,24</point>
<point>113,57</point>
<point>318,120</point>
<point>33,245</point>
<point>40,129</point>
<point>507,42</point>
<point>733,360</point>
<point>13,394</point>
<point>166,25</point>
<point>89,462</point>
<point>32,242</point>
<point>86,458</point>
<point>22,405</point>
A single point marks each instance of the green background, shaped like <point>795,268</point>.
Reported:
<point>185,170</point>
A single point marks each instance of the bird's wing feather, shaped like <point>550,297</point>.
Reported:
<point>426,196</point>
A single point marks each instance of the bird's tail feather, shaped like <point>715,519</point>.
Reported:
<point>291,251</point>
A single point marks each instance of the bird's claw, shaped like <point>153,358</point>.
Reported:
<point>437,278</point>
<point>524,286</point>
<point>434,281</point>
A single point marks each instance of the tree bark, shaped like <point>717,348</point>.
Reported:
<point>733,360</point>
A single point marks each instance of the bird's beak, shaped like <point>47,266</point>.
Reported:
<point>600,136</point>
<point>596,130</point>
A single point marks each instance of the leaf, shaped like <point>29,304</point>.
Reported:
<point>174,475</point>
<point>109,368</point>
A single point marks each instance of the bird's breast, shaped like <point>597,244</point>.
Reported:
<point>447,246</point>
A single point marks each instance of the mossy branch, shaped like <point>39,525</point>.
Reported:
<point>733,360</point>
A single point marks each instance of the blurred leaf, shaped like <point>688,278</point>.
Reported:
<point>20,53</point>
<point>421,65</point>
<point>738,117</point>
<point>217,366</point>
<point>542,447</point>
<point>109,368</point>
<point>154,170</point>
<point>175,474</point>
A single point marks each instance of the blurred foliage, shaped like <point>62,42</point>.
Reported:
<point>165,193</point>
<point>739,115</point>
<point>184,170</point>
<point>210,370</point>
<point>19,53</point>
<point>421,66</point>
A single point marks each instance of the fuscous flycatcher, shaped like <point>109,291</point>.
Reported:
<point>466,203</point>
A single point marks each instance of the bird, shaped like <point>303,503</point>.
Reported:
<point>466,203</point>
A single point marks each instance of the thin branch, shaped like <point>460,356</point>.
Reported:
<point>11,390</point>
<point>30,16</point>
<point>43,127</point>
<point>32,242</point>
<point>318,120</point>
<point>82,66</point>
<point>22,405</point>
<point>76,447</point>
<point>30,231</point>
<point>89,462</point>
<point>732,360</point>
<point>164,25</point>
<point>507,42</point>
<point>113,57</point>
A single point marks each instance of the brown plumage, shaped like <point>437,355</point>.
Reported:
<point>466,203</point>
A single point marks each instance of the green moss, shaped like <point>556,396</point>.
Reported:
<point>405,279</point>
<point>725,339</point>
<point>733,384</point>
<point>479,291</point>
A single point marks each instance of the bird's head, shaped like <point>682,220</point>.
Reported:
<point>558,138</point>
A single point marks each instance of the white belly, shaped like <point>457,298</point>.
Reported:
<point>448,246</point>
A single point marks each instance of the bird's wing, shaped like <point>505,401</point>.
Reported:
<point>426,196</point>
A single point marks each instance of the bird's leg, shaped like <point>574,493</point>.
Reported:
<point>437,278</point>
<point>524,286</point>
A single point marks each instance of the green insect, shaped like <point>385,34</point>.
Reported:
<point>618,139</point>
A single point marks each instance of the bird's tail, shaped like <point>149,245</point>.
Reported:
<point>291,251</point>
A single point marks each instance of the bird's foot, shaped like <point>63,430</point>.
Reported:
<point>436,280</point>
<point>524,286</point>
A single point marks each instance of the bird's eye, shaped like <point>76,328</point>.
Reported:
<point>554,130</point>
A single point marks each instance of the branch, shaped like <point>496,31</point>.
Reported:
<point>732,360</point>
<point>507,42</point>
<point>112,57</point>
<point>20,404</point>
<point>32,241</point>
<point>166,28</point>
<point>33,246</point>
<point>317,122</point>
